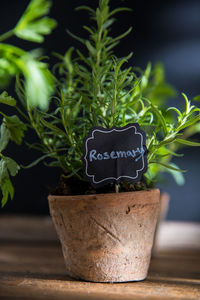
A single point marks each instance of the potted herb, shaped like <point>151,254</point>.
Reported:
<point>106,230</point>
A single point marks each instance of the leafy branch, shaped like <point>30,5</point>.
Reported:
<point>12,128</point>
<point>32,25</point>
<point>39,83</point>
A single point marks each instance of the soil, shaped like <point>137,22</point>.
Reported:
<point>74,186</point>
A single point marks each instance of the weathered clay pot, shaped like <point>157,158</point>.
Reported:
<point>106,237</point>
<point>164,206</point>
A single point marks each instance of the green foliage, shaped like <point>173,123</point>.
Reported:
<point>95,88</point>
<point>177,175</point>
<point>197,98</point>
<point>33,24</point>
<point>98,90</point>
<point>39,83</point>
<point>5,99</point>
<point>4,138</point>
<point>12,128</point>
<point>154,87</point>
<point>15,127</point>
<point>172,134</point>
<point>7,167</point>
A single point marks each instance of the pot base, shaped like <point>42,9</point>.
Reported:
<point>106,237</point>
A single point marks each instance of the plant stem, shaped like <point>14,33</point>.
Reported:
<point>116,188</point>
<point>6,35</point>
<point>32,120</point>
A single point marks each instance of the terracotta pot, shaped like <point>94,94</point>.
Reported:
<point>106,237</point>
<point>164,206</point>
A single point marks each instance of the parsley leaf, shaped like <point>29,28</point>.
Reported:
<point>7,190</point>
<point>39,82</point>
<point>16,128</point>
<point>5,99</point>
<point>4,137</point>
<point>33,25</point>
<point>7,166</point>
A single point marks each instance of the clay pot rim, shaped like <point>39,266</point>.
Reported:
<point>56,198</point>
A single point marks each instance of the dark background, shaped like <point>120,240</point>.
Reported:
<point>167,31</point>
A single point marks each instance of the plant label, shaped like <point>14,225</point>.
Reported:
<point>114,155</point>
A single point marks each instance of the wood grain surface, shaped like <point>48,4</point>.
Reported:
<point>33,269</point>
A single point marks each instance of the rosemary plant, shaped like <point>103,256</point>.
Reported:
<point>97,89</point>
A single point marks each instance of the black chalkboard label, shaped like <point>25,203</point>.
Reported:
<point>115,154</point>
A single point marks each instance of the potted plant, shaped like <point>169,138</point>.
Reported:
<point>106,231</point>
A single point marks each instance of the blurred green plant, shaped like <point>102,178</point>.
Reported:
<point>154,86</point>
<point>32,26</point>
<point>159,92</point>
<point>97,89</point>
<point>38,82</point>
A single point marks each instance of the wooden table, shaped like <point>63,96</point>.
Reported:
<point>32,266</point>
